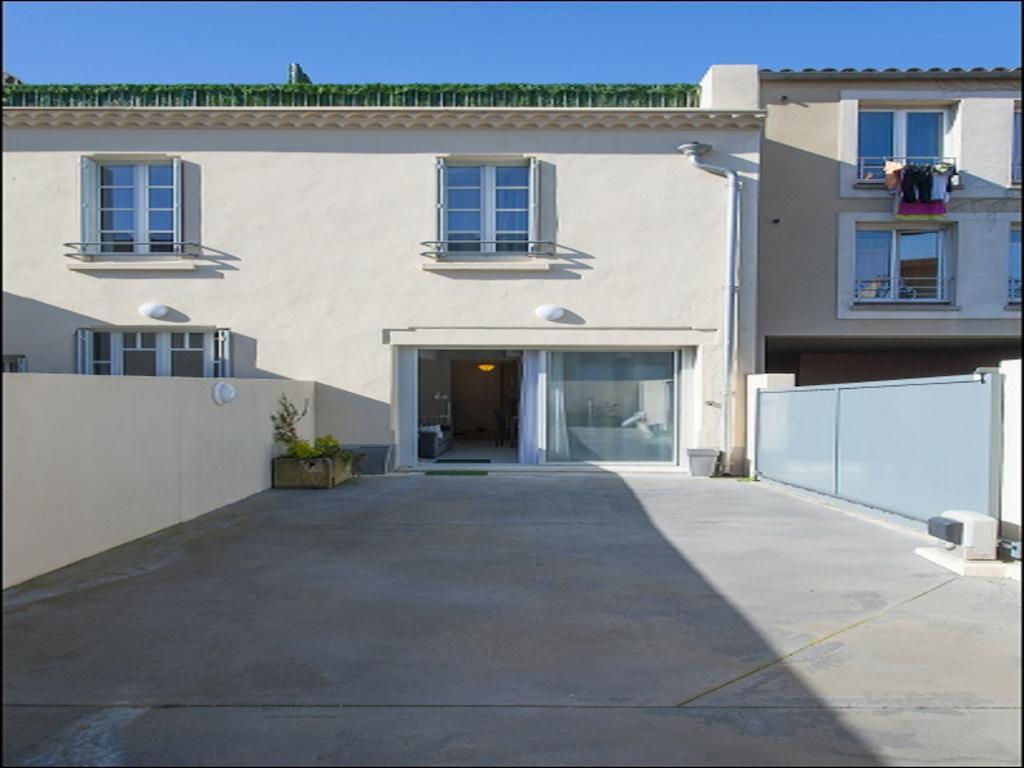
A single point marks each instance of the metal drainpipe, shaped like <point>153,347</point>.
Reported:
<point>694,150</point>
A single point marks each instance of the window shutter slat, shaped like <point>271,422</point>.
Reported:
<point>442,219</point>
<point>179,223</point>
<point>90,205</point>
<point>534,199</point>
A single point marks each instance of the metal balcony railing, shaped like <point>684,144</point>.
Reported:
<point>90,251</point>
<point>440,249</point>
<point>873,168</point>
<point>1013,290</point>
<point>909,289</point>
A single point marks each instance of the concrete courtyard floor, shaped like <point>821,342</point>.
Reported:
<point>558,619</point>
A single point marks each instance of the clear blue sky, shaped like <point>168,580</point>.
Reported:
<point>340,42</point>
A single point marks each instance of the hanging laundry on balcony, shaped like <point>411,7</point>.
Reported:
<point>922,190</point>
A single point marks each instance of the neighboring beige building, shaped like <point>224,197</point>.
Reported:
<point>847,291</point>
<point>538,281</point>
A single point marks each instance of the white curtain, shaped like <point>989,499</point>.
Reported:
<point>529,408</point>
<point>558,425</point>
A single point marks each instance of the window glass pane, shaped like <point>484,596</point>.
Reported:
<point>140,363</point>
<point>511,220</point>
<point>149,340</point>
<point>128,339</point>
<point>464,176</point>
<point>514,241</point>
<point>160,242</point>
<point>120,220</point>
<point>161,220</point>
<point>187,363</point>
<point>463,221</point>
<point>874,142</point>
<point>101,369</point>
<point>919,265</point>
<point>924,136</point>
<point>116,197</point>
<point>177,340</point>
<point>872,264</point>
<point>117,242</point>
<point>512,198</point>
<point>610,406</point>
<point>516,176</point>
<point>464,198</point>
<point>471,242</point>
<point>100,345</point>
<point>161,198</point>
<point>195,340</point>
<point>161,175</point>
<point>117,175</point>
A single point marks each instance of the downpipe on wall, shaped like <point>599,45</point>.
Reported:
<point>695,150</point>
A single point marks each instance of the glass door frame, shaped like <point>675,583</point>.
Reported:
<point>679,422</point>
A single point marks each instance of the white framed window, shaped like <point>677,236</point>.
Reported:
<point>487,208</point>
<point>901,265</point>
<point>916,136</point>
<point>15,364</point>
<point>144,352</point>
<point>131,207</point>
<point>1013,283</point>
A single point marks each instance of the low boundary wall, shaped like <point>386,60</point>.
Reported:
<point>92,462</point>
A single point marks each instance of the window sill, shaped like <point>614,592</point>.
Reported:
<point>903,306</point>
<point>487,265</point>
<point>141,265</point>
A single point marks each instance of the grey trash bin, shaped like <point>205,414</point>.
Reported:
<point>703,461</point>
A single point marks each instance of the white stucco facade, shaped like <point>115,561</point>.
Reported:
<point>311,223</point>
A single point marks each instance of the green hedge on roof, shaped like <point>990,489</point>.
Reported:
<point>672,95</point>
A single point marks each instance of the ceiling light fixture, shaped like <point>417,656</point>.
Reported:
<point>486,367</point>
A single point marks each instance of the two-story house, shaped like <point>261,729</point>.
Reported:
<point>854,281</point>
<point>523,275</point>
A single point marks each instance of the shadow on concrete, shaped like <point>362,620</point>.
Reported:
<point>519,619</point>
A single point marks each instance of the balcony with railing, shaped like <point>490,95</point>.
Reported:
<point>1013,290</point>
<point>486,249</point>
<point>871,170</point>
<point>936,290</point>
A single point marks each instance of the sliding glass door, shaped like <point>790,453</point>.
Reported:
<point>611,407</point>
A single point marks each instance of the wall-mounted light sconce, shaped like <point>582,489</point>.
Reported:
<point>549,312</point>
<point>224,393</point>
<point>154,311</point>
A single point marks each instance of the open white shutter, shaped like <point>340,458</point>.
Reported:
<point>90,231</point>
<point>222,353</point>
<point>83,345</point>
<point>442,219</point>
<point>179,222</point>
<point>534,212</point>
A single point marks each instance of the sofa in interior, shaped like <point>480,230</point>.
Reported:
<point>434,441</point>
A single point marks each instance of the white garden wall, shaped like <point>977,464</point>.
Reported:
<point>92,462</point>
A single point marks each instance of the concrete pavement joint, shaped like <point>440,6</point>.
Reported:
<point>816,641</point>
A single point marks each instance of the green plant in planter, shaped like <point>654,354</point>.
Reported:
<point>303,449</point>
<point>285,420</point>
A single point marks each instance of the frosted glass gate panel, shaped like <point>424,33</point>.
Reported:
<point>796,439</point>
<point>917,447</point>
<point>611,406</point>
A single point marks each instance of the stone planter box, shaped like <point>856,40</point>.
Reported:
<point>312,473</point>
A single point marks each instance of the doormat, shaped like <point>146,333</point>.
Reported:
<point>466,472</point>
<point>462,461</point>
